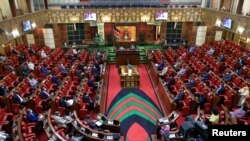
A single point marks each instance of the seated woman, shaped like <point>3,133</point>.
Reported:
<point>165,132</point>
<point>214,118</point>
<point>239,113</point>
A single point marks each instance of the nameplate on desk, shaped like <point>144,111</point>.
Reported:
<point>172,136</point>
<point>165,121</point>
<point>110,122</point>
<point>83,129</point>
<point>94,134</point>
<point>161,120</point>
<point>110,137</point>
<point>98,123</point>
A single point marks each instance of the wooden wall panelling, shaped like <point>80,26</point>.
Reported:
<point>210,33</point>
<point>38,35</point>
<point>60,34</point>
<point>87,31</point>
<point>163,31</point>
<point>108,30</point>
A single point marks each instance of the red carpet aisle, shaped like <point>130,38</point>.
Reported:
<point>136,109</point>
<point>114,84</point>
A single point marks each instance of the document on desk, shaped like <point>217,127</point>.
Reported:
<point>98,123</point>
<point>94,134</point>
<point>165,120</point>
<point>110,137</point>
<point>172,136</point>
<point>161,120</point>
<point>110,122</point>
<point>70,102</point>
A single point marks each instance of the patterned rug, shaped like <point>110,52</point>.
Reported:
<point>136,112</point>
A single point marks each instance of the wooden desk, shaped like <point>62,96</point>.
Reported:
<point>125,44</point>
<point>50,130</point>
<point>128,80</point>
<point>172,117</point>
<point>125,56</point>
<point>91,134</point>
<point>111,125</point>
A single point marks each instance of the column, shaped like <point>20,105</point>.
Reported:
<point>234,5</point>
<point>13,8</point>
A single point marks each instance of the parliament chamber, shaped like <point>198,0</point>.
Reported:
<point>123,70</point>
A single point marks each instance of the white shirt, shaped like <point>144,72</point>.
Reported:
<point>244,91</point>
<point>33,82</point>
<point>43,54</point>
<point>31,65</point>
<point>20,98</point>
<point>74,51</point>
<point>3,135</point>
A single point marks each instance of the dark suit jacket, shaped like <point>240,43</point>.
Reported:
<point>63,103</point>
<point>221,90</point>
<point>44,94</point>
<point>87,99</point>
<point>3,91</point>
<point>32,117</point>
<point>16,99</point>
<point>55,80</point>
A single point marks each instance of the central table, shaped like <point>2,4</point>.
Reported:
<point>129,79</point>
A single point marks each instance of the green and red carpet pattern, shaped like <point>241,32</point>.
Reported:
<point>137,109</point>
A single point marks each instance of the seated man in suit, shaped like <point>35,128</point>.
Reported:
<point>44,94</point>
<point>33,117</point>
<point>192,49</point>
<point>227,77</point>
<point>87,99</point>
<point>3,90</point>
<point>238,70</point>
<point>96,73</point>
<point>30,65</point>
<point>210,51</point>
<point>191,83</point>
<point>180,96</point>
<point>164,71</point>
<point>31,51</point>
<point>32,81</point>
<point>221,58</point>
<point>8,67</point>
<point>241,62</point>
<point>24,70</point>
<point>202,99</point>
<point>44,69</point>
<point>221,89</point>
<point>170,82</point>
<point>182,71</point>
<point>21,58</point>
<point>43,54</point>
<point>65,102</point>
<point>18,99</point>
<point>79,73</point>
<point>204,76</point>
<point>160,65</point>
<point>177,64</point>
<point>89,122</point>
<point>62,121</point>
<point>56,80</point>
<point>91,83</point>
<point>63,69</point>
<point>71,57</point>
